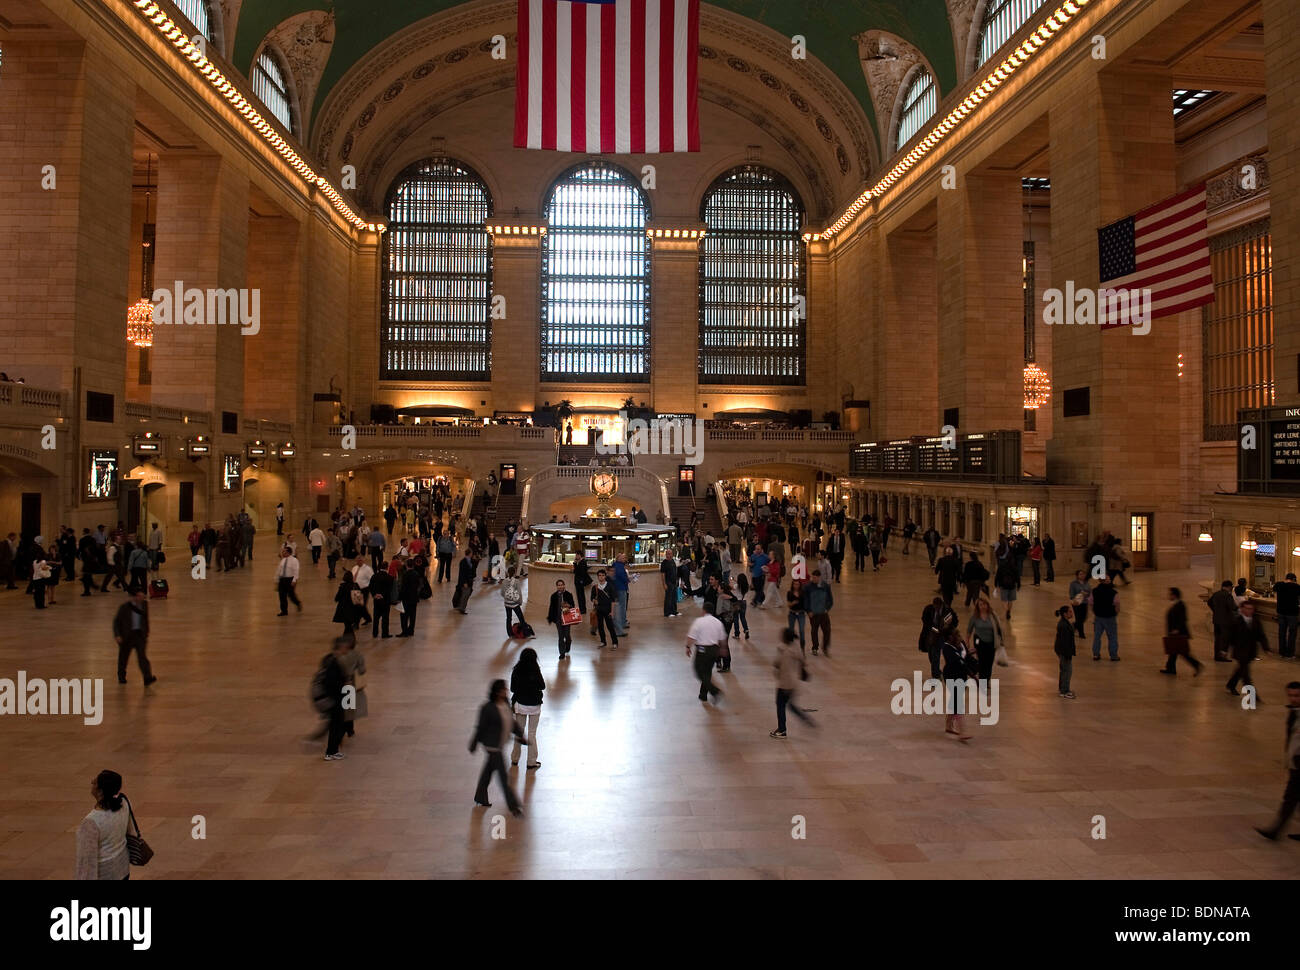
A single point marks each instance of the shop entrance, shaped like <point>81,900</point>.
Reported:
<point>1139,540</point>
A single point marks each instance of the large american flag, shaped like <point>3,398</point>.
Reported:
<point>616,76</point>
<point>1166,249</point>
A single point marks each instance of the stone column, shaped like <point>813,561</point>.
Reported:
<point>202,241</point>
<point>1282,69</point>
<point>516,340</point>
<point>980,248</point>
<point>675,325</point>
<point>907,354</point>
<point>1112,150</point>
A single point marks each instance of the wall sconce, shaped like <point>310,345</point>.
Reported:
<point>256,451</point>
<point>196,448</point>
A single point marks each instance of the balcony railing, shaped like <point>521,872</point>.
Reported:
<point>21,395</point>
<point>804,435</point>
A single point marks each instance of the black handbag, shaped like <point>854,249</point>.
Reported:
<point>137,849</point>
<point>162,557</point>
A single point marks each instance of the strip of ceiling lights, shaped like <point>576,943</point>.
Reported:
<point>1065,13</point>
<point>174,35</point>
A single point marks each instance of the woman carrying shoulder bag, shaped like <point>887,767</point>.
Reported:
<point>102,836</point>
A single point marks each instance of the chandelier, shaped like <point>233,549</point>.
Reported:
<point>1038,387</point>
<point>139,323</point>
<point>139,315</point>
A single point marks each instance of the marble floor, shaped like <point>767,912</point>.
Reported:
<point>638,779</point>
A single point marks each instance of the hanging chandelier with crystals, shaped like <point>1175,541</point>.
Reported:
<point>139,315</point>
<point>139,323</point>
<point>1038,387</point>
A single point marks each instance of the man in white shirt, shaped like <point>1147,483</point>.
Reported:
<point>703,639</point>
<point>361,575</point>
<point>317,540</point>
<point>286,578</point>
<point>155,546</point>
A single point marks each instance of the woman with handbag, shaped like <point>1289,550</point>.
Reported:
<point>984,631</point>
<point>346,598</point>
<point>102,834</point>
<point>564,615</point>
<point>957,667</point>
<point>353,664</point>
<point>526,686</point>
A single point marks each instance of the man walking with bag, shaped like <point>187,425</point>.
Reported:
<point>131,631</point>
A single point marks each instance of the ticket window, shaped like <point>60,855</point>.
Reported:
<point>685,481</point>
<point>508,479</point>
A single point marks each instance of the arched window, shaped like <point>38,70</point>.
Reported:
<point>199,14</point>
<point>1002,18</point>
<point>437,276</point>
<point>919,102</point>
<point>271,88</point>
<point>596,279</point>
<point>753,275</point>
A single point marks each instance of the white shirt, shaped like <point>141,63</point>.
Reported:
<point>707,630</point>
<point>317,537</point>
<point>362,575</point>
<point>101,845</point>
<point>288,569</point>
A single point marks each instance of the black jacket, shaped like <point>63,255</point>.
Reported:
<point>1244,639</point>
<point>601,599</point>
<point>122,621</point>
<point>974,572</point>
<point>381,586</point>
<point>581,576</point>
<point>488,730</point>
<point>948,568</point>
<point>1176,620</point>
<point>559,601</point>
<point>465,575</point>
<point>409,586</point>
<point>1064,646</point>
<point>526,686</point>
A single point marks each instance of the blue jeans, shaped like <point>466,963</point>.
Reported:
<point>738,619</point>
<point>791,619</point>
<point>1286,630</point>
<point>1108,624</point>
<point>621,616</point>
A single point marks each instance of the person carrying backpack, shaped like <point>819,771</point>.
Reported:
<point>327,694</point>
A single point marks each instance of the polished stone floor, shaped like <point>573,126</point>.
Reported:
<point>638,779</point>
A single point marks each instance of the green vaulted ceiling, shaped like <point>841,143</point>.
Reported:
<point>828,25</point>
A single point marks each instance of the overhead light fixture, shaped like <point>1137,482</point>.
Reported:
<point>139,315</point>
<point>1205,537</point>
<point>1250,545</point>
<point>1038,387</point>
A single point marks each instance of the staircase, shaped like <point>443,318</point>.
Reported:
<point>681,507</point>
<point>577,454</point>
<point>508,509</point>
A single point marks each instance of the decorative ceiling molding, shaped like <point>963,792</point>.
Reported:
<point>306,40</point>
<point>887,60</point>
<point>230,24</point>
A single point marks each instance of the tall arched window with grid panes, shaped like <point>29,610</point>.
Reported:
<point>271,86</point>
<point>200,14</point>
<point>435,322</point>
<point>1002,18</point>
<point>596,279</point>
<point>920,99</point>
<point>753,281</point>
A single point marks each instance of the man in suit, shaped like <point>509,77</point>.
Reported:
<point>1223,605</point>
<point>131,631</point>
<point>668,573</point>
<point>1246,634</point>
<point>464,583</point>
<point>835,551</point>
<point>382,587</point>
<point>1049,557</point>
<point>1291,796</point>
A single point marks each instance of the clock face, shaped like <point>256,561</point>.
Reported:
<point>603,483</point>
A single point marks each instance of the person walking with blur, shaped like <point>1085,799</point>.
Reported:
<point>702,640</point>
<point>1291,749</point>
<point>1080,597</point>
<point>131,631</point>
<point>526,686</point>
<point>790,672</point>
<point>1246,634</point>
<point>985,634</point>
<point>496,725</point>
<point>956,670</point>
<point>974,576</point>
<point>797,607</point>
<point>1178,635</point>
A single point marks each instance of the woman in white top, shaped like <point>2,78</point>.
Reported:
<point>101,836</point>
